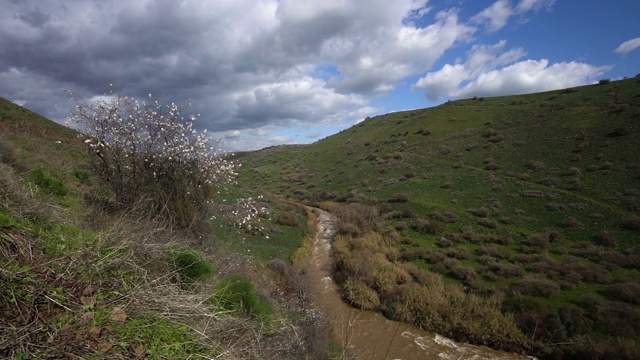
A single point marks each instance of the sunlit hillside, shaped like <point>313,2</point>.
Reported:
<point>528,204</point>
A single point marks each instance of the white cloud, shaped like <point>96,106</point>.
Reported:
<point>495,16</point>
<point>490,71</point>
<point>531,76</point>
<point>535,5</point>
<point>628,46</point>
<point>243,64</point>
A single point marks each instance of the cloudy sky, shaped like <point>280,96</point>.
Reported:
<point>268,72</point>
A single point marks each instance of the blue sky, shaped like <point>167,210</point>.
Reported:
<point>269,72</point>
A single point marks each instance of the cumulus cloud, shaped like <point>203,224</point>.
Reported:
<point>628,46</point>
<point>242,64</point>
<point>255,68</point>
<point>492,71</point>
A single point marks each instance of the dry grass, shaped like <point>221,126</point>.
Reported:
<point>116,282</point>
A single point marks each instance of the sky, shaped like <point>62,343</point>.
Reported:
<point>269,72</point>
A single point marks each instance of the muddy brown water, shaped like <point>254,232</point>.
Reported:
<point>369,335</point>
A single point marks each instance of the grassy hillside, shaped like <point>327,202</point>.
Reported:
<point>528,205</point>
<point>82,278</point>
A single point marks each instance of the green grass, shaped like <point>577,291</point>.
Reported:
<point>238,293</point>
<point>191,264</point>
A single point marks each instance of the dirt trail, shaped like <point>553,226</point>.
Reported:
<point>369,335</point>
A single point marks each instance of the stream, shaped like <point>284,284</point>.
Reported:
<point>370,335</point>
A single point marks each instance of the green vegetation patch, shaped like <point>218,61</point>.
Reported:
<point>238,293</point>
<point>191,264</point>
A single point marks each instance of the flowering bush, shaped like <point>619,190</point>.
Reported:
<point>150,156</point>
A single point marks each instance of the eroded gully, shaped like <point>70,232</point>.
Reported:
<point>369,335</point>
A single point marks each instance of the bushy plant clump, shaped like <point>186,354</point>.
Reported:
<point>149,155</point>
<point>191,264</point>
<point>238,293</point>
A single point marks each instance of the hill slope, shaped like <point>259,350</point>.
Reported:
<point>530,200</point>
<point>82,278</point>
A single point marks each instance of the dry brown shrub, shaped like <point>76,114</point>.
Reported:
<point>608,238</point>
<point>360,295</point>
<point>572,223</point>
<point>632,222</point>
<point>464,273</point>
<point>488,250</point>
<point>534,165</point>
<point>447,216</point>
<point>460,253</point>
<point>423,276</point>
<point>537,286</point>
<point>432,227</point>
<point>550,181</point>
<point>400,197</point>
<point>386,275</point>
<point>628,291</point>
<point>489,223</point>
<point>480,212</point>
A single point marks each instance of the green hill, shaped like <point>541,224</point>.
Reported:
<point>528,205</point>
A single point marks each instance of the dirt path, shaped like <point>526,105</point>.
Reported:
<point>369,335</point>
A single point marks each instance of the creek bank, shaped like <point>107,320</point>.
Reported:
<point>370,335</point>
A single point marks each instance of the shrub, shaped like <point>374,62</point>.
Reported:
<point>191,264</point>
<point>632,222</point>
<point>608,238</point>
<point>554,206</point>
<point>507,270</point>
<point>489,223</point>
<point>432,227</point>
<point>464,273</point>
<point>447,216</point>
<point>355,218</point>
<point>459,253</point>
<point>489,250</point>
<point>480,212</point>
<point>537,286</point>
<point>575,171</point>
<point>535,165</point>
<point>489,132</point>
<point>400,197</point>
<point>550,181</point>
<point>360,295</point>
<point>572,223</point>
<point>237,293</point>
<point>287,218</point>
<point>446,185</point>
<point>626,291</point>
<point>147,153</point>
<point>277,265</point>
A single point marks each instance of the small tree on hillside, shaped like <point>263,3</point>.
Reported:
<point>150,156</point>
